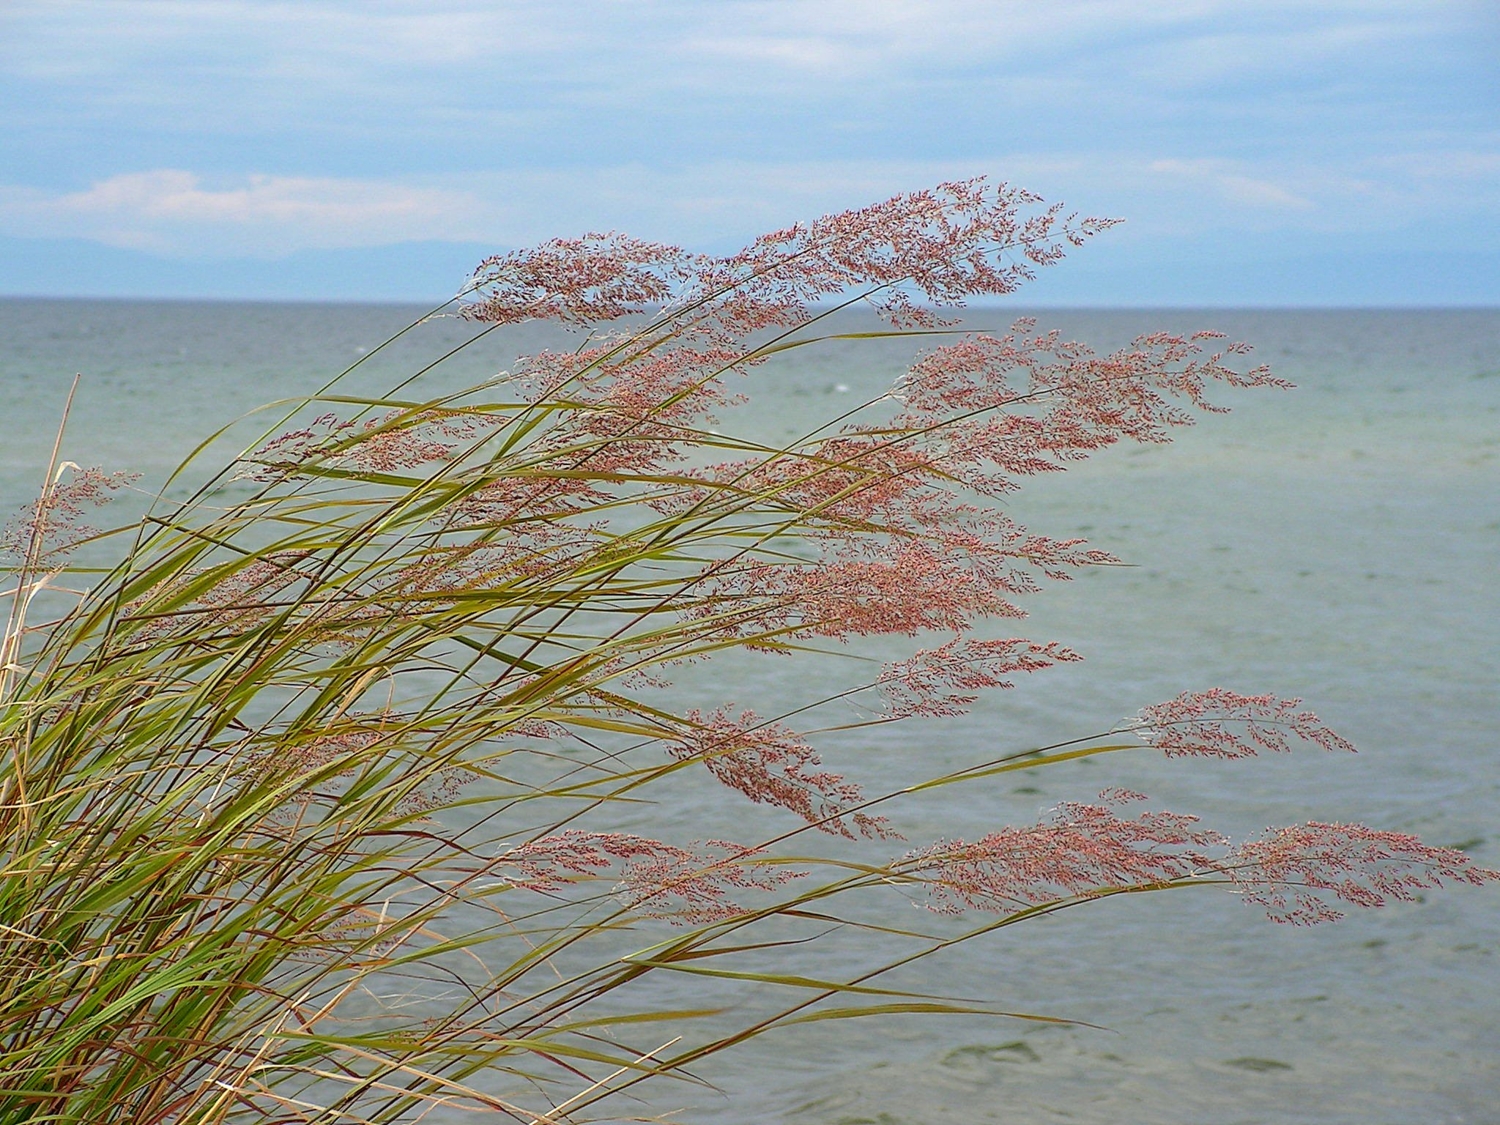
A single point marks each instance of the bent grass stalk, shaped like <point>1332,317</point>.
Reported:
<point>313,804</point>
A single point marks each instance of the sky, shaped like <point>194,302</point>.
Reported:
<point>1262,153</point>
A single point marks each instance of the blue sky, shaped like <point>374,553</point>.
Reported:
<point>1262,153</point>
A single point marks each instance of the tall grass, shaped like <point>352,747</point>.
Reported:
<point>314,803</point>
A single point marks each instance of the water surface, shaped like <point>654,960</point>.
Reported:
<point>1340,542</point>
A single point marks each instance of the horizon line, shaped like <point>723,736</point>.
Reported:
<point>435,302</point>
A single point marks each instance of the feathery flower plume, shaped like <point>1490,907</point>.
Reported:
<point>1088,850</point>
<point>768,763</point>
<point>598,277</point>
<point>1219,723</point>
<point>1021,404</point>
<point>349,749</point>
<point>685,885</point>
<point>1082,850</point>
<point>397,441</point>
<point>1293,871</point>
<point>48,529</point>
<point>943,681</point>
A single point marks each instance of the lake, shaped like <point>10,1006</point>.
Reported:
<point>1339,542</point>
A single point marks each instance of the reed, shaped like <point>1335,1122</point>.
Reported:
<point>313,802</point>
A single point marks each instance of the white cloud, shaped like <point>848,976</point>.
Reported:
<point>711,205</point>
<point>341,47</point>
<point>1260,193</point>
<point>716,204</point>
<point>1234,186</point>
<point>169,210</point>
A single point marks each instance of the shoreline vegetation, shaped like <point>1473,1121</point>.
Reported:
<point>313,797</point>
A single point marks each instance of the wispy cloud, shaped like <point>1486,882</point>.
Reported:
<point>712,204</point>
<point>170,210</point>
<point>174,212</point>
<point>1234,186</point>
<point>352,55</point>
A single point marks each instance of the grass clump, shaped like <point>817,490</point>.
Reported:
<point>323,803</point>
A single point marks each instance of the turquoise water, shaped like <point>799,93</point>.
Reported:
<point>1340,542</point>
